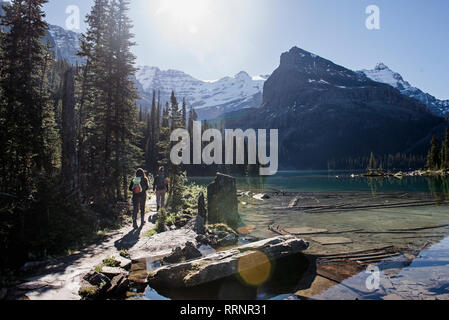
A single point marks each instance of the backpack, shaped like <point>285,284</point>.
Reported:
<point>137,185</point>
<point>160,182</point>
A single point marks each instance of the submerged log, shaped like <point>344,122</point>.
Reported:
<point>294,202</point>
<point>227,263</point>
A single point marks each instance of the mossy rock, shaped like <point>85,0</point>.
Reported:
<point>88,291</point>
<point>220,228</point>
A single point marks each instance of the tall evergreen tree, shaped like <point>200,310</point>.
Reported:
<point>24,61</point>
<point>372,163</point>
<point>445,152</point>
<point>90,106</point>
<point>434,157</point>
<point>184,113</point>
<point>107,104</point>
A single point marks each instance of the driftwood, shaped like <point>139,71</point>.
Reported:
<point>422,228</point>
<point>294,202</point>
<point>283,232</point>
<point>330,209</point>
<point>356,252</point>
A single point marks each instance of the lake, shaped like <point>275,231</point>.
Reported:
<point>338,212</point>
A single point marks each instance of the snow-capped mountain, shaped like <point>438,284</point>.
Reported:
<point>209,98</point>
<point>326,112</point>
<point>65,44</point>
<point>381,73</point>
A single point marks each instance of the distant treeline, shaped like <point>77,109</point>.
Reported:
<point>390,162</point>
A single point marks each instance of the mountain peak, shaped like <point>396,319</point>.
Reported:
<point>242,75</point>
<point>381,66</point>
<point>381,73</point>
<point>297,55</point>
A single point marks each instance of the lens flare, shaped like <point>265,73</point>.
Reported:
<point>255,268</point>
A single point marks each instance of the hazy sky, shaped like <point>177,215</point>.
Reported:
<point>210,39</point>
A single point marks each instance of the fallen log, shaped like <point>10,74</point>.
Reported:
<point>354,252</point>
<point>420,228</point>
<point>226,263</point>
<point>294,202</point>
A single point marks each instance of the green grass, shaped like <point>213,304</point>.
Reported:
<point>110,262</point>
<point>124,253</point>
<point>151,233</point>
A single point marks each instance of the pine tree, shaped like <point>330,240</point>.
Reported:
<point>372,163</point>
<point>125,94</point>
<point>108,149</point>
<point>184,113</point>
<point>69,157</point>
<point>434,157</point>
<point>445,152</point>
<point>164,141</point>
<point>24,60</point>
<point>91,99</point>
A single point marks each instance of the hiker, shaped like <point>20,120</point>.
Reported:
<point>139,186</point>
<point>160,185</point>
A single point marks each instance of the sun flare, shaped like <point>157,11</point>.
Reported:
<point>184,10</point>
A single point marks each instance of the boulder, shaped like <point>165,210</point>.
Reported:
<point>229,240</point>
<point>95,278</point>
<point>162,244</point>
<point>88,291</point>
<point>197,225</point>
<point>226,263</point>
<point>123,262</point>
<point>111,272</point>
<point>119,286</point>
<point>222,204</point>
<point>220,235</point>
<point>189,252</point>
<point>94,285</point>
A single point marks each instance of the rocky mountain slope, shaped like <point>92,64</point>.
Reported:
<point>65,44</point>
<point>324,111</point>
<point>381,73</point>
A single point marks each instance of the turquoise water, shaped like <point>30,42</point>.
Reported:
<point>335,181</point>
<point>426,278</point>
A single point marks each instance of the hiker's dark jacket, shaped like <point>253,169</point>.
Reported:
<point>159,183</point>
<point>145,187</point>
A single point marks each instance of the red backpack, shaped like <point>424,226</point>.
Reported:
<point>137,185</point>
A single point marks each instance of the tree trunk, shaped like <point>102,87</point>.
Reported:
<point>69,157</point>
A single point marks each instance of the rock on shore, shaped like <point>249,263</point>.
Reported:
<point>226,263</point>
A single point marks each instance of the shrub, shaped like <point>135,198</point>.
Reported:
<point>161,221</point>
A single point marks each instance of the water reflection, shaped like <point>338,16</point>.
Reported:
<point>339,181</point>
<point>439,188</point>
<point>423,278</point>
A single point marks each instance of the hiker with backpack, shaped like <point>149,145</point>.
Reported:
<point>139,186</point>
<point>160,185</point>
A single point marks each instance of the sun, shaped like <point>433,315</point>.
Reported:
<point>184,11</point>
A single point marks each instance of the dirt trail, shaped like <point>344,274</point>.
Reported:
<point>61,279</point>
